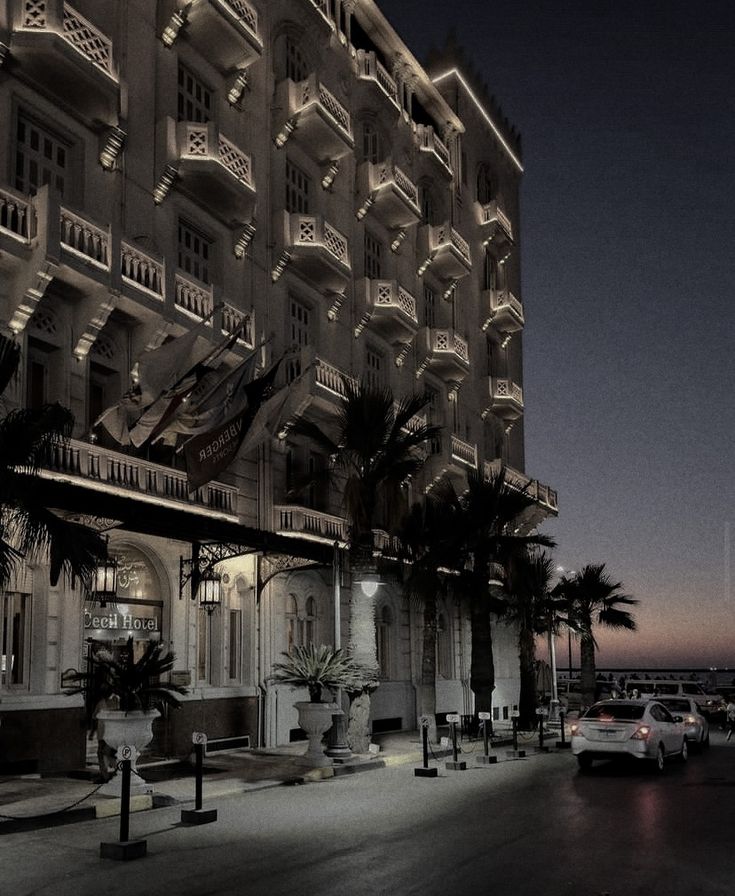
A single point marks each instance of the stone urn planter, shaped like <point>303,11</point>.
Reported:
<point>316,719</point>
<point>134,729</point>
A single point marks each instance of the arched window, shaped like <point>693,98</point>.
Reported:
<point>427,205</point>
<point>310,621</point>
<point>486,185</point>
<point>300,622</point>
<point>297,66</point>
<point>383,630</point>
<point>372,149</point>
<point>292,623</point>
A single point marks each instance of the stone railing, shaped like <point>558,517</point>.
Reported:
<point>501,300</point>
<point>464,452</point>
<point>309,230</point>
<point>449,341</point>
<point>312,90</point>
<point>503,388</point>
<point>297,520</point>
<point>392,294</point>
<point>142,271</point>
<point>85,239</point>
<point>386,173</point>
<point>330,377</point>
<point>370,68</point>
<point>493,212</point>
<point>232,319</point>
<point>429,142</point>
<point>446,235</point>
<point>16,216</point>
<point>202,141</point>
<point>193,297</point>
<point>519,481</point>
<point>235,161</point>
<point>244,14</point>
<point>127,473</point>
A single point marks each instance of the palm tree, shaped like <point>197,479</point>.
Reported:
<point>530,606</point>
<point>428,537</point>
<point>375,451</point>
<point>594,600</point>
<point>491,532</point>
<point>28,528</point>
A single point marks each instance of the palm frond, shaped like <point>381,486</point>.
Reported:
<point>9,360</point>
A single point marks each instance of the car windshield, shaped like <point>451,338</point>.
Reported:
<point>676,705</point>
<point>618,712</point>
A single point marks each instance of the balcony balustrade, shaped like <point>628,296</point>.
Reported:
<point>84,239</point>
<point>369,68</point>
<point>444,352</point>
<point>388,194</point>
<point>233,319</point>
<point>497,231</point>
<point>17,219</point>
<point>387,308</point>
<point>429,143</point>
<point>316,250</point>
<point>501,310</point>
<point>545,498</point>
<point>142,272</point>
<point>316,118</point>
<point>113,472</point>
<point>193,297</point>
<point>463,452</point>
<point>226,32</point>
<point>68,56</point>
<point>505,399</point>
<point>448,456</point>
<point>293,519</point>
<point>444,250</point>
<point>211,169</point>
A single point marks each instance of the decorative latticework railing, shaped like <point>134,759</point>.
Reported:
<point>388,293</point>
<point>201,141</point>
<point>387,173</point>
<point>445,235</point>
<point>309,230</point>
<point>311,90</point>
<point>142,271</point>
<point>370,68</point>
<point>449,341</point>
<point>244,13</point>
<point>493,212</point>
<point>506,389</point>
<point>82,238</point>
<point>429,142</point>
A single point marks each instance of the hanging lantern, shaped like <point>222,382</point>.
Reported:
<point>209,591</point>
<point>104,581</point>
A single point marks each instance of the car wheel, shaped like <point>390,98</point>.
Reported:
<point>684,755</point>
<point>584,762</point>
<point>705,742</point>
<point>660,761</point>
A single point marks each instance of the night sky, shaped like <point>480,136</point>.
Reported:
<point>627,112</point>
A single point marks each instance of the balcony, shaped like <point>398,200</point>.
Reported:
<point>112,472</point>
<point>444,352</point>
<point>225,32</point>
<point>505,399</point>
<point>370,69</point>
<point>389,194</point>
<point>141,272</point>
<point>544,498</point>
<point>68,57</point>
<point>500,309</point>
<point>292,519</point>
<point>429,143</point>
<point>316,119</point>
<point>388,309</point>
<point>233,319</point>
<point>192,296</point>
<point>315,249</point>
<point>443,250</point>
<point>497,231</point>
<point>211,169</point>
<point>449,456</point>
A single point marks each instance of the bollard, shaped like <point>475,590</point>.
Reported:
<point>455,764</point>
<point>563,744</point>
<point>541,714</point>
<point>515,753</point>
<point>197,815</point>
<point>125,848</point>
<point>425,771</point>
<point>485,759</point>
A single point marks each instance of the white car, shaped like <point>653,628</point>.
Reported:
<point>696,726</point>
<point>630,729</point>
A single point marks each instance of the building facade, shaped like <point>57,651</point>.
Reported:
<point>289,169</point>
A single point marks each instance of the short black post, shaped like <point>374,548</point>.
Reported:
<point>485,743</point>
<point>514,723</point>
<point>125,848</point>
<point>425,771</point>
<point>562,744</point>
<point>455,764</point>
<point>197,815</point>
<point>485,759</point>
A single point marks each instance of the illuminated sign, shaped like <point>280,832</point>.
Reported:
<point>122,622</point>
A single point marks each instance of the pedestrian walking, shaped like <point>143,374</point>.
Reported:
<point>730,718</point>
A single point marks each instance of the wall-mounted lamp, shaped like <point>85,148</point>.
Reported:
<point>206,584</point>
<point>369,582</point>
<point>103,587</point>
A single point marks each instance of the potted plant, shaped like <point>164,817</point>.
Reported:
<point>317,668</point>
<point>126,695</point>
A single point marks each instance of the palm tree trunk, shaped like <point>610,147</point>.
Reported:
<point>527,704</point>
<point>426,692</point>
<point>588,669</point>
<point>482,666</point>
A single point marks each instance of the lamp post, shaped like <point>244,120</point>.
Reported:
<point>338,749</point>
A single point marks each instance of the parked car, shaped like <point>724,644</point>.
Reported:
<point>696,726</point>
<point>643,730</point>
<point>570,692</point>
<point>651,688</point>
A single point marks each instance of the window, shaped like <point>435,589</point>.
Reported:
<point>427,205</point>
<point>235,645</point>
<point>300,626</point>
<point>297,68</point>
<point>432,416</point>
<point>195,100</point>
<point>309,623</point>
<point>373,257</point>
<point>443,648</point>
<point>299,328</point>
<point>40,158</point>
<point>489,272</point>
<point>15,637</point>
<point>371,143</point>
<point>374,366</point>
<point>297,190</point>
<point>383,641</point>
<point>41,384</point>
<point>103,390</point>
<point>203,644</point>
<point>429,307</point>
<point>486,188</point>
<point>194,252</point>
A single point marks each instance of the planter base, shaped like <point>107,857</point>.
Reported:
<point>198,816</point>
<point>486,760</point>
<point>456,766</point>
<point>426,772</point>
<point>124,851</point>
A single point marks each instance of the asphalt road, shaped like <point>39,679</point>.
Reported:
<point>533,826</point>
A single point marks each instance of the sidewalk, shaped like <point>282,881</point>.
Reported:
<point>32,802</point>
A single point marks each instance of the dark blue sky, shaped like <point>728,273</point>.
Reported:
<point>627,111</point>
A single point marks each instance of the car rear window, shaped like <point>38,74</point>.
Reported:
<point>621,712</point>
<point>676,705</point>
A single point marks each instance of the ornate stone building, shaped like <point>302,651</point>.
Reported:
<point>290,167</point>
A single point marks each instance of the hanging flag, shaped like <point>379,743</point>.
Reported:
<point>274,413</point>
<point>208,454</point>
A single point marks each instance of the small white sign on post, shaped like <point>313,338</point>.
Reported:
<point>453,717</point>
<point>483,716</point>
<point>198,737</point>
<point>126,751</point>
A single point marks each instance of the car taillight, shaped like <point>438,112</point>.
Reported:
<point>641,733</point>
<point>574,729</point>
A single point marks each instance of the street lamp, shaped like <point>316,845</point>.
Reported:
<point>103,586</point>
